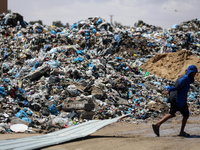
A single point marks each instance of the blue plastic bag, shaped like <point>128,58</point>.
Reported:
<point>27,119</point>
<point>118,58</point>
<point>80,52</point>
<point>52,31</point>
<point>3,91</point>
<point>93,66</point>
<point>79,59</point>
<point>94,30</point>
<point>99,21</point>
<point>53,110</point>
<point>192,96</point>
<point>5,55</point>
<point>21,114</point>
<point>35,65</point>
<point>26,103</point>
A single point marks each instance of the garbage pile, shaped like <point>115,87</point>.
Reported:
<point>54,77</point>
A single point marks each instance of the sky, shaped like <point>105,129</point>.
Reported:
<point>163,13</point>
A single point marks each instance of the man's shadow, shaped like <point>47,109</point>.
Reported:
<point>194,136</point>
<point>191,136</point>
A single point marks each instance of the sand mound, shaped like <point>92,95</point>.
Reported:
<point>172,65</point>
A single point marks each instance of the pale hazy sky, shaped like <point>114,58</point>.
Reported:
<point>163,13</point>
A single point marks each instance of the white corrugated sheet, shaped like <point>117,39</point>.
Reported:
<point>64,135</point>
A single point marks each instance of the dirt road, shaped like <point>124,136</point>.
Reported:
<point>133,136</point>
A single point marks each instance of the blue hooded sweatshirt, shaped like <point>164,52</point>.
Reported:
<point>178,92</point>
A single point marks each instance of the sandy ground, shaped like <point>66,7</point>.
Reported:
<point>133,136</point>
<point>172,65</point>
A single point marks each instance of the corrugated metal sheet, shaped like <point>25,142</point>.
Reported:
<point>56,137</point>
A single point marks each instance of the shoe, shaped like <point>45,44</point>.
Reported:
<point>156,130</point>
<point>184,134</point>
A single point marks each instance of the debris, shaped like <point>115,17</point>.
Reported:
<point>55,77</point>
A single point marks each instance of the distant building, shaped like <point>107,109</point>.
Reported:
<point>3,6</point>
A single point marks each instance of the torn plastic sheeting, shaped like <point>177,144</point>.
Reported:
<point>57,137</point>
<point>157,83</point>
<point>54,63</point>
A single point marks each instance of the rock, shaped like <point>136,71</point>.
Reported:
<point>38,73</point>
<point>87,115</point>
<point>16,120</point>
<point>97,92</point>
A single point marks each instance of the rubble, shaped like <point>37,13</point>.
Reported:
<point>55,77</point>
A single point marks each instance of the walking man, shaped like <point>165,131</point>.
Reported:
<point>178,100</point>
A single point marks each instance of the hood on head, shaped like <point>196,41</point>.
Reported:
<point>192,68</point>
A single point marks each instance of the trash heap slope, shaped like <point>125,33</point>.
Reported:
<point>55,77</point>
<point>172,65</point>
